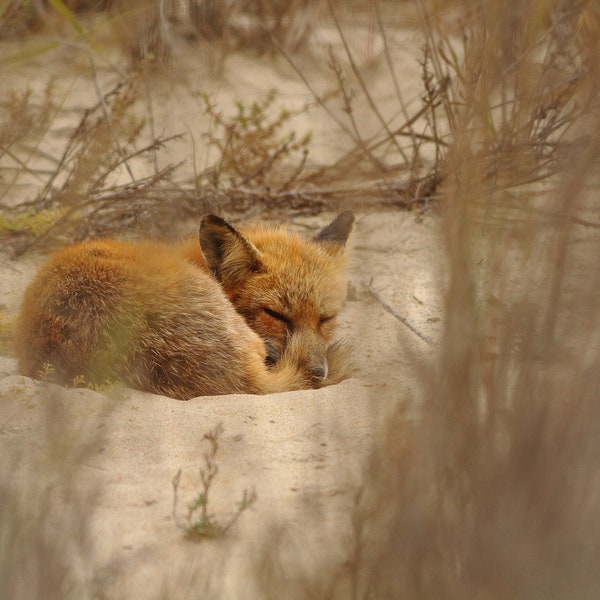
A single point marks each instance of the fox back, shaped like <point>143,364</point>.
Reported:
<point>236,311</point>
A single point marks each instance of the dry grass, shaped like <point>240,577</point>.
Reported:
<point>92,188</point>
<point>159,26</point>
<point>45,519</point>
<point>198,523</point>
<point>493,491</point>
<point>401,162</point>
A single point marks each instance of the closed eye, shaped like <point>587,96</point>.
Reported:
<point>277,316</point>
<point>326,319</point>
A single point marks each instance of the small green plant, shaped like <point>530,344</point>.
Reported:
<point>81,381</point>
<point>46,372</point>
<point>198,523</point>
<point>32,221</point>
<point>253,148</point>
<point>7,322</point>
<point>90,188</point>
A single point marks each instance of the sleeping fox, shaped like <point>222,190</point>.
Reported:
<point>237,311</point>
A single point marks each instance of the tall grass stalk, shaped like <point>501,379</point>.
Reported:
<point>494,490</point>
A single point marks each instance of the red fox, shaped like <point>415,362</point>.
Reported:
<point>243,311</point>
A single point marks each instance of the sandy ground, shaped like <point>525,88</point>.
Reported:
<point>303,452</point>
<point>106,461</point>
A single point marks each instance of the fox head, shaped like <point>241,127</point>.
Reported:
<point>288,289</point>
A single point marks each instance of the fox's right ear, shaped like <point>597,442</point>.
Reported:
<point>229,255</point>
<point>335,235</point>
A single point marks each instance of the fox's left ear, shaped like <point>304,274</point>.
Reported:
<point>335,235</point>
<point>229,255</point>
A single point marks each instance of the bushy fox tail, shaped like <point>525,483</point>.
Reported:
<point>341,361</point>
<point>290,374</point>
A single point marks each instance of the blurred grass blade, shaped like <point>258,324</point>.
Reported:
<point>65,12</point>
<point>29,53</point>
<point>3,6</point>
<point>68,15</point>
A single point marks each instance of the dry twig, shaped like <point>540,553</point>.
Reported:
<point>396,314</point>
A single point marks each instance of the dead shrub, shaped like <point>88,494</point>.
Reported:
<point>493,490</point>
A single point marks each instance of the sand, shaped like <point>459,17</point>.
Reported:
<point>96,467</point>
<point>302,452</point>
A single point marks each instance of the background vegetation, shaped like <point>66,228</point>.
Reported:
<point>112,172</point>
<point>493,491</point>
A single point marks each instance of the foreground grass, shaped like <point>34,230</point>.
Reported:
<point>493,491</point>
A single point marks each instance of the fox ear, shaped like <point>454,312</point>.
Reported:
<point>335,235</point>
<point>229,255</point>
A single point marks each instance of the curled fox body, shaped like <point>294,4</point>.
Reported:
<point>236,311</point>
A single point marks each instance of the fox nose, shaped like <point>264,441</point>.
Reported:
<point>318,373</point>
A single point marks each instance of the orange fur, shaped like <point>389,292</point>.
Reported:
<point>242,311</point>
